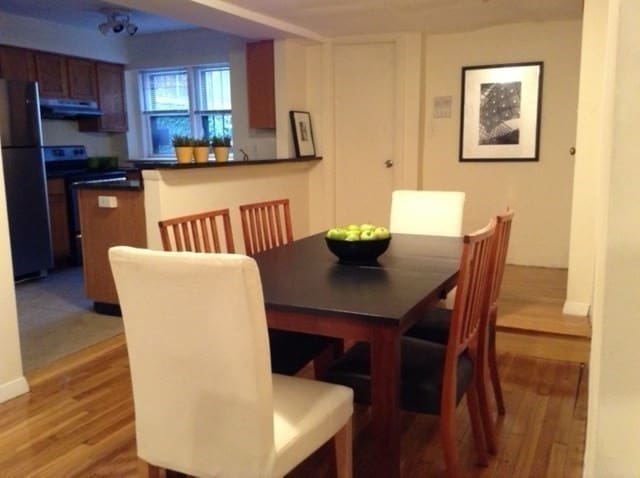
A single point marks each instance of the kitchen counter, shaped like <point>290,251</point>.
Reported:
<point>129,185</point>
<point>158,164</point>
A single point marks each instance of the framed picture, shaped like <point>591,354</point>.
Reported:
<point>500,112</point>
<point>302,133</point>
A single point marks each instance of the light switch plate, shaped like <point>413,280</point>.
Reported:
<point>109,202</point>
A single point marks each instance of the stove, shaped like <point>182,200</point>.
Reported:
<point>71,163</point>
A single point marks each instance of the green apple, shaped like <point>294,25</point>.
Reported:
<point>353,227</point>
<point>368,235</point>
<point>337,233</point>
<point>352,236</point>
<point>366,227</point>
<point>381,232</point>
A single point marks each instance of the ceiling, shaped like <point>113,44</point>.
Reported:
<point>317,19</point>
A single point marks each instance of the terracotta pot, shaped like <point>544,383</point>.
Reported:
<point>184,153</point>
<point>201,154</point>
<point>221,153</point>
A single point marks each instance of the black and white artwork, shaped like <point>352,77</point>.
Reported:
<point>500,112</point>
<point>302,134</point>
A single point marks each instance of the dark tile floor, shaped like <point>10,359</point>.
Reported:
<point>56,319</point>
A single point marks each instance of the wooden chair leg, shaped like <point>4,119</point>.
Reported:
<point>342,444</point>
<point>476,424</point>
<point>448,438</point>
<point>493,368</point>
<point>485,412</point>
<point>147,470</point>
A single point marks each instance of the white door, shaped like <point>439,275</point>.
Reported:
<point>365,92</point>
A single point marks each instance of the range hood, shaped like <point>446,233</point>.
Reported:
<point>66,108</point>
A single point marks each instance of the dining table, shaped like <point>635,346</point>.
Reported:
<point>307,289</point>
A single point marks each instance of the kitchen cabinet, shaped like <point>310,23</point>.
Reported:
<point>59,221</point>
<point>111,100</point>
<point>261,85</point>
<point>81,79</point>
<point>17,64</point>
<point>51,73</point>
<point>122,223</point>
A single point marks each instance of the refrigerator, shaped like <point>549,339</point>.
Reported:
<point>24,178</point>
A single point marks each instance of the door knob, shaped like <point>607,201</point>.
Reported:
<point>388,163</point>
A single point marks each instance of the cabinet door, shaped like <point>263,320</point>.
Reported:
<point>82,79</point>
<point>51,71</point>
<point>17,64</point>
<point>111,100</point>
<point>261,85</point>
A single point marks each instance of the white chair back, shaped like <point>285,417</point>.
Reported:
<point>197,340</point>
<point>436,213</point>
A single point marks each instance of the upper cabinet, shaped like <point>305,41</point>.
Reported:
<point>111,100</point>
<point>261,85</point>
<point>51,73</point>
<point>82,79</point>
<point>17,64</point>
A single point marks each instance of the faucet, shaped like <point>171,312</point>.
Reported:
<point>245,156</point>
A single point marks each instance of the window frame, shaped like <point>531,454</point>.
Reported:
<point>194,113</point>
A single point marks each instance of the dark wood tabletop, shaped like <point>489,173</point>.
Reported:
<point>306,277</point>
<point>306,289</point>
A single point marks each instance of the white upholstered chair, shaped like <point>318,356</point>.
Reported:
<point>437,213</point>
<point>206,402</point>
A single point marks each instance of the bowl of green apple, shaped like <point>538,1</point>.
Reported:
<point>358,244</point>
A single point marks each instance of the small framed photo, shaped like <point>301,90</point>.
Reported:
<point>500,112</point>
<point>302,134</point>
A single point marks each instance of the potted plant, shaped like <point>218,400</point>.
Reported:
<point>201,150</point>
<point>221,145</point>
<point>184,148</point>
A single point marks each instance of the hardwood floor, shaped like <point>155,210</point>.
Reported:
<point>77,421</point>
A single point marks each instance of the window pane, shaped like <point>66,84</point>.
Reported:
<point>214,88</point>
<point>163,128</point>
<point>216,124</point>
<point>166,90</point>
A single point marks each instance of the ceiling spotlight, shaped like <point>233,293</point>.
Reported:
<point>117,22</point>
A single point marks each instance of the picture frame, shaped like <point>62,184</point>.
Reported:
<point>500,112</point>
<point>302,134</point>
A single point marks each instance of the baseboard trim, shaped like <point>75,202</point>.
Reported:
<point>580,309</point>
<point>13,389</point>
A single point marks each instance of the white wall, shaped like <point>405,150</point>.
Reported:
<point>196,47</point>
<point>588,157</point>
<point>613,428</point>
<point>171,193</point>
<point>540,192</point>
<point>12,382</point>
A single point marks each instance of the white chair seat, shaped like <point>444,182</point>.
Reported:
<point>306,414</point>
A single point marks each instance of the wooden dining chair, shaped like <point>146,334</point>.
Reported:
<point>266,225</point>
<point>206,402</point>
<point>198,232</point>
<point>435,377</point>
<point>435,326</point>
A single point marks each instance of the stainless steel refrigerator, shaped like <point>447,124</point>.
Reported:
<point>24,178</point>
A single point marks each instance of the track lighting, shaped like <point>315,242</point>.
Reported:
<point>117,22</point>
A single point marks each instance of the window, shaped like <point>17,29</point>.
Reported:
<point>192,101</point>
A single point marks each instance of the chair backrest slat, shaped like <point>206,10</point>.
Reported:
<point>501,246</point>
<point>266,225</point>
<point>198,232</point>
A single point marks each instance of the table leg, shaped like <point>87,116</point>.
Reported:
<point>385,401</point>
